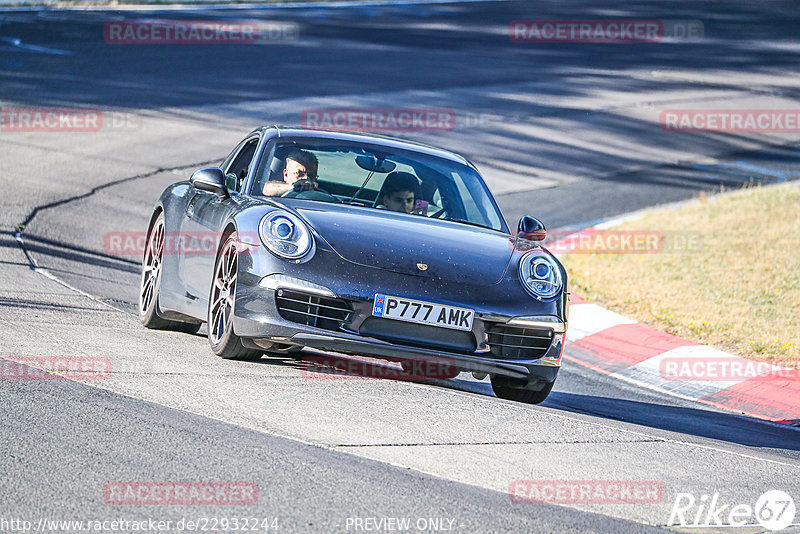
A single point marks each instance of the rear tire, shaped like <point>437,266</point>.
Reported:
<point>504,389</point>
<point>150,284</point>
<point>224,342</point>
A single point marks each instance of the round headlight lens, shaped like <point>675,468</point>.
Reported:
<point>285,235</point>
<point>541,269</point>
<point>540,275</point>
<point>282,228</point>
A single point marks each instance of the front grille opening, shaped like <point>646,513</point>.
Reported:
<point>312,310</point>
<point>518,343</point>
<point>419,335</point>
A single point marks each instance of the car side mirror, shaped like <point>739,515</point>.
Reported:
<point>211,179</point>
<point>531,229</point>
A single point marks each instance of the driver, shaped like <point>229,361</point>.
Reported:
<point>300,165</point>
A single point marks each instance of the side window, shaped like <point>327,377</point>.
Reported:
<point>237,169</point>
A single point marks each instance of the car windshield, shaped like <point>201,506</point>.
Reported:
<point>377,177</point>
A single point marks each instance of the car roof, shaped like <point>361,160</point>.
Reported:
<point>375,139</point>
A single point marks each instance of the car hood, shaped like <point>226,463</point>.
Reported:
<point>402,243</point>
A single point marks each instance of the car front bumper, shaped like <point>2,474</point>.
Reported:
<point>505,305</point>
<point>258,321</point>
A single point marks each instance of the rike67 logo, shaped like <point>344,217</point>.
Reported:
<point>774,510</point>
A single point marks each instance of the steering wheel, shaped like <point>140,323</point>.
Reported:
<point>439,213</point>
<point>308,190</point>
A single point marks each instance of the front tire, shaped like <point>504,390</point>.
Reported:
<point>150,284</point>
<point>504,388</point>
<point>224,342</point>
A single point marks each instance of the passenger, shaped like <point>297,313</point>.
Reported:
<point>399,192</point>
<point>300,165</point>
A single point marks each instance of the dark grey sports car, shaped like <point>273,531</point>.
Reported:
<point>357,244</point>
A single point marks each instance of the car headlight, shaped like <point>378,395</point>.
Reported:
<point>540,275</point>
<point>285,235</point>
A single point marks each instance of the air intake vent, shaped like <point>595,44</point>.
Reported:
<point>312,310</point>
<point>418,335</point>
<point>517,343</point>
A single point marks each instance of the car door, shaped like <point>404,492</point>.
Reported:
<point>205,214</point>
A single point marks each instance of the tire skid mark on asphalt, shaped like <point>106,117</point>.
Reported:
<point>33,264</point>
<point>14,302</point>
<point>96,189</point>
<point>40,241</point>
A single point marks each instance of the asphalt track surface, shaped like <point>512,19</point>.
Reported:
<point>565,133</point>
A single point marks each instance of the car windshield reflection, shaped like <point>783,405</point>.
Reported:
<point>378,177</point>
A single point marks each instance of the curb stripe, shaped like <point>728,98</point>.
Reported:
<point>650,372</point>
<point>588,319</point>
<point>615,345</point>
<point>767,397</point>
<point>625,345</point>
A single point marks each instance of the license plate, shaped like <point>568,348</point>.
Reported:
<point>417,311</point>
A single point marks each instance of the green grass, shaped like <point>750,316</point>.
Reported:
<point>738,291</point>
